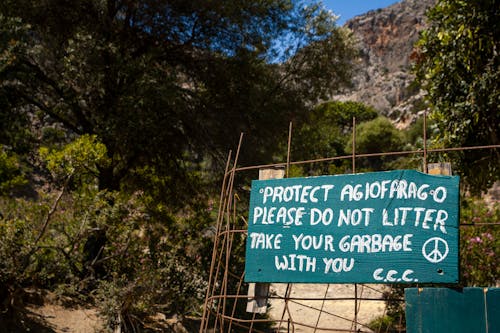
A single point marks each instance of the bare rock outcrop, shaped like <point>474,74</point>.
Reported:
<point>386,39</point>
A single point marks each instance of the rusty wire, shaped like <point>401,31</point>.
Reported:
<point>227,290</point>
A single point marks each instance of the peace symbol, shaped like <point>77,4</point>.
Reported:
<point>435,249</point>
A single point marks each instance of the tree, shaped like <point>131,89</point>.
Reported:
<point>377,136</point>
<point>167,83</point>
<point>123,110</point>
<point>14,126</point>
<point>458,65</point>
<point>325,132</point>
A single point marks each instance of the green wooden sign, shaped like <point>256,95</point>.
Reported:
<point>382,227</point>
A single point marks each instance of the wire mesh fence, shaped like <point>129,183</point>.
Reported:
<point>232,305</point>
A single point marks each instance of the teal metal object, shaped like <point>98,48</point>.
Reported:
<point>467,310</point>
<point>382,227</point>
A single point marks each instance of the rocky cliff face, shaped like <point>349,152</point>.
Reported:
<point>386,38</point>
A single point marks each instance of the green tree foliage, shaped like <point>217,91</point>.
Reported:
<point>11,175</point>
<point>162,82</point>
<point>459,67</point>
<point>414,134</point>
<point>79,158</point>
<point>325,132</point>
<point>377,136</point>
<point>14,127</point>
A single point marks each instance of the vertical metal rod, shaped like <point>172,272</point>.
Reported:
<point>322,307</point>
<point>286,309</point>
<point>425,141</point>
<point>240,282</point>
<point>355,307</point>
<point>225,244</point>
<point>223,287</point>
<point>290,317</point>
<point>228,228</point>
<point>228,257</point>
<point>225,238</point>
<point>250,329</point>
<point>287,175</point>
<point>204,320</point>
<point>214,289</point>
<point>359,295</point>
<point>221,253</point>
<point>354,171</point>
<point>353,144</point>
<point>288,150</point>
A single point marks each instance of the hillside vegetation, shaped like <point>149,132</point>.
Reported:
<point>116,118</point>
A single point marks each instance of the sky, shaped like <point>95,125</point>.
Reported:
<point>350,8</point>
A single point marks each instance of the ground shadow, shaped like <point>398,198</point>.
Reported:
<point>23,321</point>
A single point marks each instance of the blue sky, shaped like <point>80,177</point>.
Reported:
<point>350,8</point>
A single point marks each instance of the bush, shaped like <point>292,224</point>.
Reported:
<point>480,243</point>
<point>122,251</point>
<point>11,175</point>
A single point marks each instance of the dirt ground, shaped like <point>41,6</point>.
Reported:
<point>301,315</point>
<point>50,314</point>
<point>304,315</point>
<point>60,319</point>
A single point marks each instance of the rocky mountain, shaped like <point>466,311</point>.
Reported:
<point>386,38</point>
